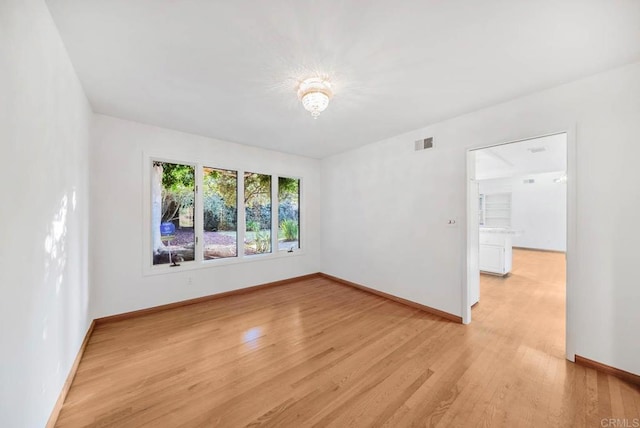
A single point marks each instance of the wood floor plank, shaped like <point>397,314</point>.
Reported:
<point>319,353</point>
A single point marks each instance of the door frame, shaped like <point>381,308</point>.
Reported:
<point>471,258</point>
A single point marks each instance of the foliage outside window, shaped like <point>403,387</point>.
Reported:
<point>198,205</point>
<point>219,200</point>
<point>173,199</point>
<point>288,214</point>
<point>257,203</point>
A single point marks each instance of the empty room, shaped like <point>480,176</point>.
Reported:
<point>310,214</point>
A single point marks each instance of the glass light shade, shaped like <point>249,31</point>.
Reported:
<point>315,102</point>
<point>315,94</point>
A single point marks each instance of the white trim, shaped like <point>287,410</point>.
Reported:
<point>470,225</point>
<point>250,256</point>
<point>572,240</point>
<point>275,204</point>
<point>571,254</point>
<point>198,215</point>
<point>147,254</point>
<point>301,213</point>
<point>240,218</point>
<point>199,263</point>
<point>214,263</point>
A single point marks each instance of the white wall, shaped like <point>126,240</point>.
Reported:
<point>44,141</point>
<point>385,208</point>
<point>538,209</point>
<point>119,151</point>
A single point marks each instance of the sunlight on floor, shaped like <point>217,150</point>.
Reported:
<point>250,337</point>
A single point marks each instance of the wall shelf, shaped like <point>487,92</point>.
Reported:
<point>496,210</point>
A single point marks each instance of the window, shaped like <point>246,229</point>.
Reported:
<point>288,213</point>
<point>257,203</point>
<point>219,201</point>
<point>172,223</point>
<point>209,215</point>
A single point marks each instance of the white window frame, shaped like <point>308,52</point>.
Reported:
<point>199,263</point>
<point>301,211</point>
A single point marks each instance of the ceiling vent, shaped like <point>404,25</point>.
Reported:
<point>537,149</point>
<point>426,143</point>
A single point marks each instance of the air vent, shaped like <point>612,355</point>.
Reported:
<point>426,143</point>
<point>537,149</point>
<point>529,181</point>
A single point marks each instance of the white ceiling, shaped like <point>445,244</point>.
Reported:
<point>228,69</point>
<point>534,156</point>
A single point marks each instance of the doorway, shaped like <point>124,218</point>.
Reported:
<point>518,199</point>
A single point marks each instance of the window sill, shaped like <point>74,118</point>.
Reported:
<point>206,264</point>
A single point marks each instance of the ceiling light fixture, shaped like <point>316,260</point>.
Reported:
<point>315,93</point>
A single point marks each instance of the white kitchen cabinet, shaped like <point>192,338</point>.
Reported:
<point>495,250</point>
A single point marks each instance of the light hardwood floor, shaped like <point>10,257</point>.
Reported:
<point>316,353</point>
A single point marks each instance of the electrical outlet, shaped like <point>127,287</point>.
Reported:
<point>189,280</point>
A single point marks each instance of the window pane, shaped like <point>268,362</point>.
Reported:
<point>220,195</point>
<point>172,226</point>
<point>288,213</point>
<point>257,202</point>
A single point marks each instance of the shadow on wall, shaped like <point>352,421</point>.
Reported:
<point>624,296</point>
<point>62,309</point>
